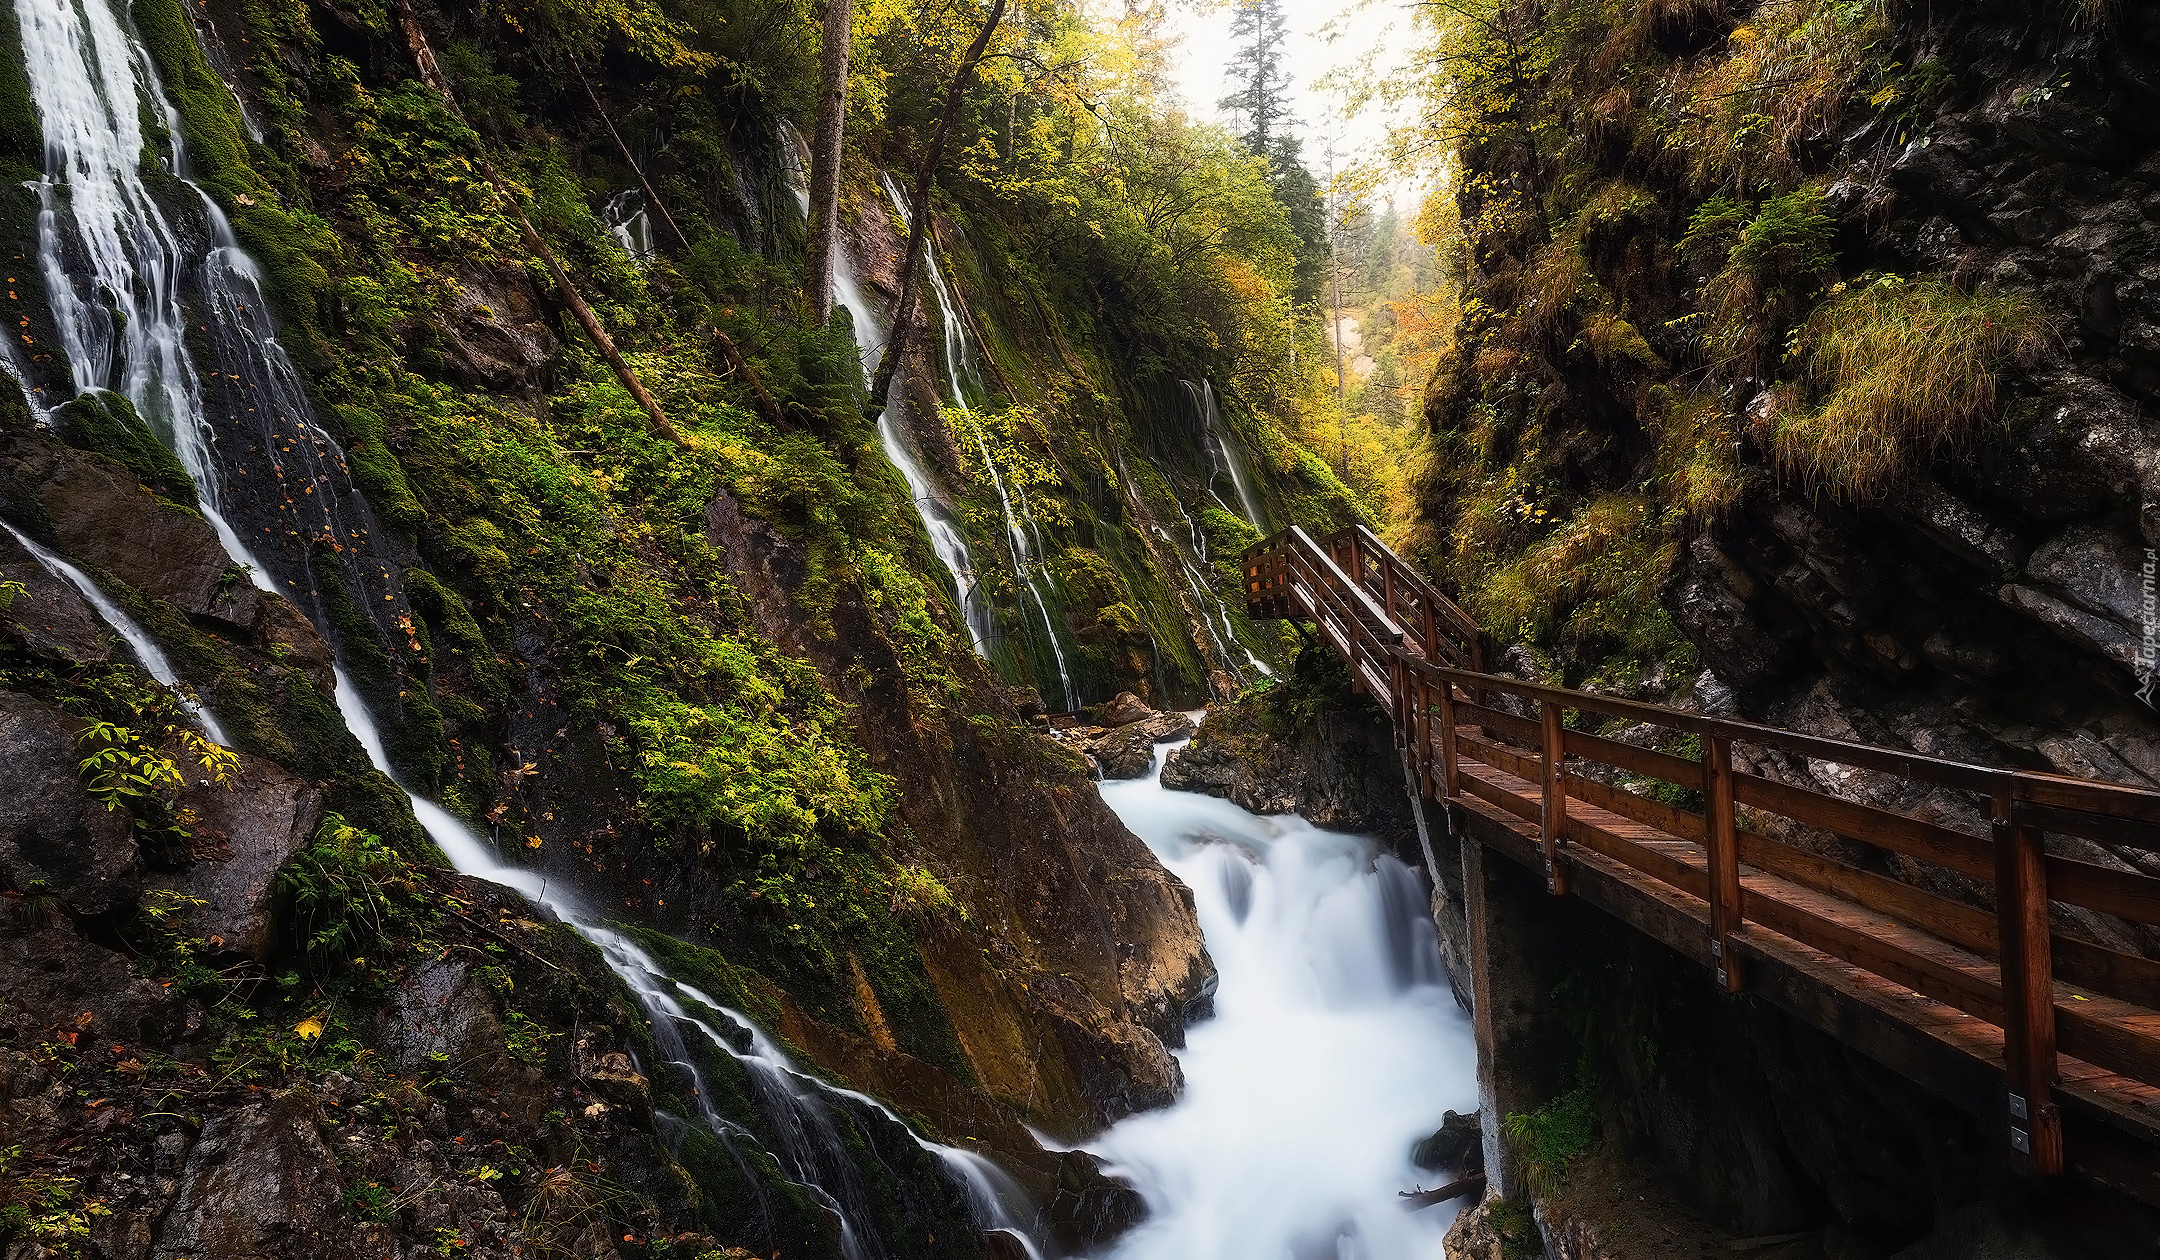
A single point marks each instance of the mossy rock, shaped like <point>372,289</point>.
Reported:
<point>107,424</point>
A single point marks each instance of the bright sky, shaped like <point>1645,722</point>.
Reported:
<point>1206,48</point>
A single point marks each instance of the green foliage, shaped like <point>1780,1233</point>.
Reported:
<point>44,1211</point>
<point>1901,371</point>
<point>525,1040</point>
<point>1548,1139</point>
<point>346,890</point>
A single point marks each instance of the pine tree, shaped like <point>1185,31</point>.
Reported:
<point>1260,87</point>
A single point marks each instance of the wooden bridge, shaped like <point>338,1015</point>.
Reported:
<point>1969,985</point>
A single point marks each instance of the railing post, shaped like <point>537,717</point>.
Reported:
<point>1722,842</point>
<point>1554,816</point>
<point>1450,772</point>
<point>2028,985</point>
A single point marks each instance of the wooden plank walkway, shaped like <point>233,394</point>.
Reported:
<point>1988,997</point>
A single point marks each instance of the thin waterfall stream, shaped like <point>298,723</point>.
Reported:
<point>1025,564</point>
<point>938,520</point>
<point>1336,1044</point>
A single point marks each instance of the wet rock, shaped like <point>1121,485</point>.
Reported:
<point>286,632</point>
<point>1123,708</point>
<point>247,832</point>
<point>52,618</point>
<point>170,553</point>
<point>2078,627</point>
<point>2094,567</point>
<point>1710,598</point>
<point>51,978</point>
<point>259,1183</point>
<point>1129,751</point>
<point>1457,1144</point>
<point>494,335</point>
<point>1001,1245</point>
<point>1473,1236</point>
<point>614,1078</point>
<point>53,836</point>
<point>441,1014</point>
<point>1090,1208</point>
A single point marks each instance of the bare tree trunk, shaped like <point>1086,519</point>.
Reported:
<point>432,75</point>
<point>919,214</point>
<point>825,151</point>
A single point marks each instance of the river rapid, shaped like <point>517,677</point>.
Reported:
<point>1335,1045</point>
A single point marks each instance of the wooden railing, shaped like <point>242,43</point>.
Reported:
<point>1977,924</point>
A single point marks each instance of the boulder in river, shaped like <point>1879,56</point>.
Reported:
<point>1457,1144</point>
<point>1128,751</point>
<point>1122,709</point>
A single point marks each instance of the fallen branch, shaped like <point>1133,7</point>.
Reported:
<point>1412,1200</point>
<point>651,194</point>
<point>765,404</point>
<point>432,75</point>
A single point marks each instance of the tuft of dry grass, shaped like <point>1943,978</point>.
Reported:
<point>1904,370</point>
<point>1698,460</point>
<point>1786,77</point>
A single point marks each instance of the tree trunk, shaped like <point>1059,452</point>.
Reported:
<point>919,214</point>
<point>825,152</point>
<point>431,74</point>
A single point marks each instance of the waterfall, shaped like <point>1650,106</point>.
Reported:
<point>1222,451</point>
<point>938,520</point>
<point>146,649</point>
<point>126,271</point>
<point>626,219</point>
<point>793,1102</point>
<point>1336,1044</point>
<point>1025,566</point>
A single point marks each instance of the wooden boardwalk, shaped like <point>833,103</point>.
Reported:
<point>1976,986</point>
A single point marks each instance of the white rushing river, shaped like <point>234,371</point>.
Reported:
<point>1335,1046</point>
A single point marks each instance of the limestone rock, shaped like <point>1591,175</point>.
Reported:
<point>1128,751</point>
<point>259,1184</point>
<point>1123,708</point>
<point>1457,1143</point>
<point>247,832</point>
<point>1091,1207</point>
<point>442,1009</point>
<point>172,554</point>
<point>1472,1236</point>
<point>50,978</point>
<point>50,615</point>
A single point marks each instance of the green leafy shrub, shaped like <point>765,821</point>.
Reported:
<point>346,889</point>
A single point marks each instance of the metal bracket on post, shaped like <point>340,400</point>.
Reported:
<point>1721,845</point>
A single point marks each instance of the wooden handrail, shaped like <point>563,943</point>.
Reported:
<point>1506,744</point>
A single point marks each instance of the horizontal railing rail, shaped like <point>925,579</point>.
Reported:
<point>1700,805</point>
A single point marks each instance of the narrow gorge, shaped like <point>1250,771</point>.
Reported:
<point>874,631</point>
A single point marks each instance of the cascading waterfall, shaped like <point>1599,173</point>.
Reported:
<point>146,649</point>
<point>1222,446</point>
<point>794,1103</point>
<point>957,357</point>
<point>123,273</point>
<point>938,520</point>
<point>126,271</point>
<point>1336,1044</point>
<point>630,225</point>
